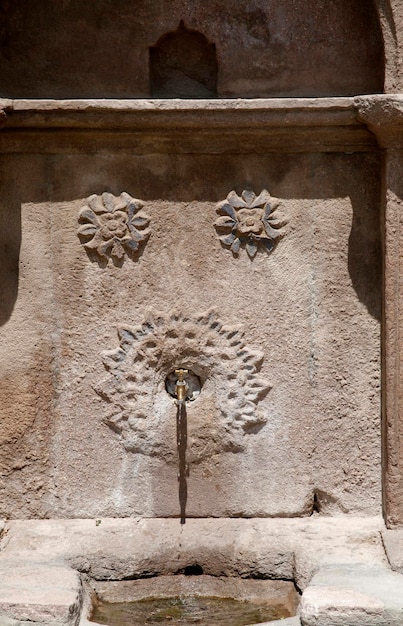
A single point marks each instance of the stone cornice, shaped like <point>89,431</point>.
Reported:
<point>240,125</point>
<point>383,114</point>
<point>143,114</point>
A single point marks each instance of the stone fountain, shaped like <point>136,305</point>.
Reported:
<point>213,189</point>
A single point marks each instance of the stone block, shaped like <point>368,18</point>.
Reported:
<point>47,594</point>
<point>393,542</point>
<point>353,595</point>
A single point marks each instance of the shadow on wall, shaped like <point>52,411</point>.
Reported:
<point>205,178</point>
<point>265,48</point>
<point>304,180</point>
<point>183,64</point>
<point>10,242</point>
<point>257,53</point>
<point>365,254</point>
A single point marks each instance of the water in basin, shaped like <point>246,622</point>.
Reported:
<point>187,611</point>
<point>186,600</point>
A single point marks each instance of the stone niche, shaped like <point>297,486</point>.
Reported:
<point>263,48</point>
<point>237,238</point>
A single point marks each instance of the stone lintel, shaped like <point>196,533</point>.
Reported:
<point>188,125</point>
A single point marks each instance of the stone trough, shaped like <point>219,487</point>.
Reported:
<point>50,568</point>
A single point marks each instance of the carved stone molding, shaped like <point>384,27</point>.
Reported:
<point>113,226</point>
<point>249,221</point>
<point>222,125</point>
<point>217,354</point>
<point>383,114</point>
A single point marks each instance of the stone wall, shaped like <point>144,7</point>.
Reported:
<point>288,419</point>
<point>241,239</point>
<point>264,48</point>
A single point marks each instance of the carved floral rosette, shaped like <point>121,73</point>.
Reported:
<point>228,369</point>
<point>249,221</point>
<point>113,226</point>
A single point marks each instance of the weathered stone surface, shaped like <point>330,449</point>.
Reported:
<point>392,383</point>
<point>321,359</point>
<point>290,621</point>
<point>257,46</point>
<point>393,542</point>
<point>112,549</point>
<point>337,607</point>
<point>313,307</point>
<point>384,117</point>
<point>43,457</point>
<point>111,227</point>
<point>201,343</point>
<point>39,593</point>
<point>163,126</point>
<point>249,221</point>
<point>356,595</point>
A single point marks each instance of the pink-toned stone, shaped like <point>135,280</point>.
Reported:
<point>310,446</point>
<point>354,594</point>
<point>393,542</point>
<point>324,397</point>
<point>332,606</point>
<point>43,593</point>
<point>112,549</point>
<point>384,117</point>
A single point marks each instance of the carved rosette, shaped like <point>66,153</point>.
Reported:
<point>216,353</point>
<point>249,221</point>
<point>113,226</point>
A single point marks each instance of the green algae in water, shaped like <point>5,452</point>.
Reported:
<point>186,611</point>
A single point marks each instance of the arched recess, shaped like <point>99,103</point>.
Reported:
<point>183,64</point>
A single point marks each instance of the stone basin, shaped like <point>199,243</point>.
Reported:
<point>50,569</point>
<point>278,598</point>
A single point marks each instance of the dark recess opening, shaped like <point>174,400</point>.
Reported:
<point>183,64</point>
<point>193,570</point>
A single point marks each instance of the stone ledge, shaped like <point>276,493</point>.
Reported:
<point>288,549</point>
<point>174,113</point>
<point>209,126</point>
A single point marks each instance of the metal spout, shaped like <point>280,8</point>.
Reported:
<point>181,387</point>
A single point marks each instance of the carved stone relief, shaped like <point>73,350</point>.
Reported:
<point>249,221</point>
<point>217,354</point>
<point>113,226</point>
